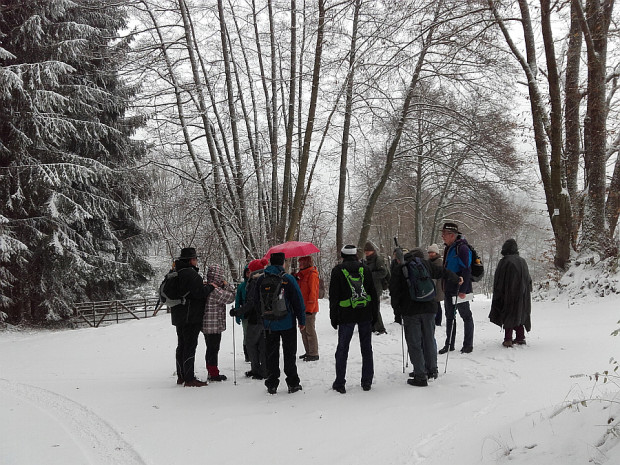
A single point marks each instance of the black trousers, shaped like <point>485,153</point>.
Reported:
<point>187,340</point>
<point>289,352</point>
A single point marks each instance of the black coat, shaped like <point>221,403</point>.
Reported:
<point>399,288</point>
<point>511,305</point>
<point>189,280</point>
<point>340,290</point>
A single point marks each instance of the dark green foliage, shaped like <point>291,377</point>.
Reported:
<point>69,228</point>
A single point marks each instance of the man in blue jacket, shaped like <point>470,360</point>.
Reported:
<point>283,329</point>
<point>457,258</point>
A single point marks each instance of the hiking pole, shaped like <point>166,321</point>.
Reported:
<point>456,299</point>
<point>234,353</point>
<point>402,341</point>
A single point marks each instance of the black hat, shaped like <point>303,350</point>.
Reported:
<point>277,258</point>
<point>187,253</point>
<point>452,227</point>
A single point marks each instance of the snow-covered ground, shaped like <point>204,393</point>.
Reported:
<point>109,396</point>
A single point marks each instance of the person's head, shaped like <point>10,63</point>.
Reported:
<point>215,275</point>
<point>348,251</point>
<point>189,254</point>
<point>510,248</point>
<point>305,262</point>
<point>433,251</point>
<point>369,249</point>
<point>257,264</point>
<point>449,233</point>
<point>277,259</point>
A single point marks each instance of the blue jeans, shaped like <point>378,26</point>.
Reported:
<point>468,322</point>
<point>345,334</point>
<point>420,337</point>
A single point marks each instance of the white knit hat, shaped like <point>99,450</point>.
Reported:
<point>433,248</point>
<point>349,250</point>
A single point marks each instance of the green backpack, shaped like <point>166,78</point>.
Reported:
<point>359,296</point>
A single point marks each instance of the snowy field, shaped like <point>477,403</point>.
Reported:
<point>109,396</point>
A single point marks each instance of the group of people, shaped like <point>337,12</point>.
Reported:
<point>355,288</point>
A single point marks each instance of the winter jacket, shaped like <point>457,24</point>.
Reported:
<point>241,294</point>
<point>214,320</point>
<point>438,282</point>
<point>376,264</point>
<point>511,305</point>
<point>190,281</point>
<point>401,298</point>
<point>308,280</point>
<point>340,290</point>
<point>457,258</point>
<point>292,296</point>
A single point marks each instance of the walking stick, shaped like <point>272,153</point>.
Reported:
<point>234,352</point>
<point>456,299</point>
<point>402,342</point>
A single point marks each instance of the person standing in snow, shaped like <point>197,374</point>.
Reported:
<point>376,264</point>
<point>457,258</point>
<point>188,318</point>
<point>308,280</point>
<point>511,306</point>
<point>282,330</point>
<point>418,318</point>
<point>240,298</point>
<point>435,259</point>
<point>214,321</point>
<point>347,310</point>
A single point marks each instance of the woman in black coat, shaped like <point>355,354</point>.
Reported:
<point>511,306</point>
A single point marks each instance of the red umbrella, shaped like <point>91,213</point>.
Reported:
<point>293,249</point>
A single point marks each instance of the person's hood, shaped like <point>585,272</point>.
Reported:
<point>510,247</point>
<point>215,275</point>
<point>415,252</point>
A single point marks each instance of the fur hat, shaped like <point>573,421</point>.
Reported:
<point>348,250</point>
<point>433,248</point>
<point>188,253</point>
<point>452,227</point>
<point>277,258</point>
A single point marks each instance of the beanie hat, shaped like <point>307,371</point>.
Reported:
<point>433,248</point>
<point>369,247</point>
<point>256,265</point>
<point>452,227</point>
<point>348,251</point>
<point>277,259</point>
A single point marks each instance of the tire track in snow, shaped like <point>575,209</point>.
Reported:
<point>98,441</point>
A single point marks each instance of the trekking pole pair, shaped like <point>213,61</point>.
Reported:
<point>451,336</point>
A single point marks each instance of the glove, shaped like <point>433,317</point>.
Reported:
<point>398,319</point>
<point>233,312</point>
<point>334,324</point>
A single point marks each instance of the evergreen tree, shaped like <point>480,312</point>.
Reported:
<point>69,227</point>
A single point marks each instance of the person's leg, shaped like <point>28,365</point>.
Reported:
<point>179,354</point>
<point>253,335</point>
<point>450,313</point>
<point>368,367</point>
<point>413,335</point>
<point>345,333</point>
<point>213,342</point>
<point>379,326</point>
<point>289,354</point>
<point>427,321</point>
<point>312,340</point>
<point>190,342</point>
<point>468,323</point>
<point>272,348</point>
<point>520,334</point>
<point>439,314</point>
<point>304,337</point>
<point>244,325</point>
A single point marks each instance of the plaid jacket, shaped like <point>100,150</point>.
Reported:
<point>214,320</point>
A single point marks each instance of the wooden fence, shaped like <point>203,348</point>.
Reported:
<point>115,311</point>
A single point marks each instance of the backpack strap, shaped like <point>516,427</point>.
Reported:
<point>348,302</point>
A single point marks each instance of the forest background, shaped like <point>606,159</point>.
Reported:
<point>132,128</point>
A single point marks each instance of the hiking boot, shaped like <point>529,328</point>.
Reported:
<point>311,358</point>
<point>272,389</point>
<point>292,389</point>
<point>258,377</point>
<point>249,374</point>
<point>467,349</point>
<point>379,333</point>
<point>507,343</point>
<point>417,382</point>
<point>432,374</point>
<point>412,374</point>
<point>217,378</point>
<point>340,389</point>
<point>301,357</point>
<point>180,380</point>
<point>366,387</point>
<point>445,349</point>
<point>195,383</point>
<point>520,342</point>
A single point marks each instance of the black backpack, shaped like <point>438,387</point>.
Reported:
<point>169,291</point>
<point>477,267</point>
<point>421,285</point>
<point>272,301</point>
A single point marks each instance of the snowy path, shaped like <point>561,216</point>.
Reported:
<point>109,395</point>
